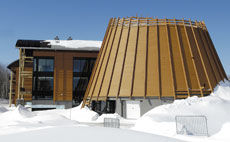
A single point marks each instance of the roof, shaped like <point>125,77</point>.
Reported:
<point>79,45</point>
<point>15,64</point>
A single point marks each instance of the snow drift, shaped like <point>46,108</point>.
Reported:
<point>2,109</point>
<point>84,114</point>
<point>161,120</point>
<point>85,134</point>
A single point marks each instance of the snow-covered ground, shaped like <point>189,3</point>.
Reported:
<point>216,108</point>
<point>19,124</point>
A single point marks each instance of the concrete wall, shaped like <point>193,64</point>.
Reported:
<point>145,104</point>
<point>51,104</point>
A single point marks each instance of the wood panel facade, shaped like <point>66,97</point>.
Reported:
<point>146,57</point>
<point>63,73</point>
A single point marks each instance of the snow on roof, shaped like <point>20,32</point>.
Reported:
<point>75,44</point>
<point>79,45</point>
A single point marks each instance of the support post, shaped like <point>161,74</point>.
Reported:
<point>10,94</point>
<point>19,76</point>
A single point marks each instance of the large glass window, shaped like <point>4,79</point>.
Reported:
<point>80,65</point>
<point>82,68</point>
<point>80,83</point>
<point>43,78</point>
<point>45,65</point>
<point>45,83</point>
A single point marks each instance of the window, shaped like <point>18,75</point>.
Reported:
<point>92,62</point>
<point>80,83</point>
<point>82,68</point>
<point>43,78</point>
<point>80,65</point>
<point>45,84</point>
<point>45,65</point>
<point>104,106</point>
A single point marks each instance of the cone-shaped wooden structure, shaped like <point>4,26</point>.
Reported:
<point>146,57</point>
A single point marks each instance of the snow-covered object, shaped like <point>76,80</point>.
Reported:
<point>83,114</point>
<point>103,116</point>
<point>88,45</point>
<point>19,113</point>
<point>216,107</point>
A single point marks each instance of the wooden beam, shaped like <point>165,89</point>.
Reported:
<point>182,59</point>
<point>19,72</point>
<point>146,65</point>
<point>10,94</point>
<point>201,57</point>
<point>159,64</point>
<point>122,70</point>
<point>207,52</point>
<point>170,59</point>
<point>135,56</point>
<point>193,60</point>
<point>101,60</point>
<point>103,77</point>
<point>96,65</point>
<point>118,46</point>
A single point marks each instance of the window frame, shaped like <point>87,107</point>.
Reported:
<point>79,94</point>
<point>36,92</point>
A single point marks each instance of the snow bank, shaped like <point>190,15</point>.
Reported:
<point>75,44</point>
<point>85,134</point>
<point>19,113</point>
<point>83,115</point>
<point>3,109</point>
<point>216,107</point>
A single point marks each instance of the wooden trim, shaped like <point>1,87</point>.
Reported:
<point>170,58</point>
<point>118,46</point>
<point>194,64</point>
<point>214,57</point>
<point>122,70</point>
<point>159,64</point>
<point>103,51</point>
<point>95,66</point>
<point>201,57</point>
<point>19,72</point>
<point>182,59</point>
<point>134,63</point>
<point>146,59</point>
<point>107,60</point>
<point>208,56</point>
<point>222,72</point>
<point>10,94</point>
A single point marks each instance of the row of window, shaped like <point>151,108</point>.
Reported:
<point>43,79</point>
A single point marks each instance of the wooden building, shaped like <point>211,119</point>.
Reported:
<point>52,73</point>
<point>145,62</point>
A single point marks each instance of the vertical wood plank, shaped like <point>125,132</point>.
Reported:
<point>182,58</point>
<point>198,79</point>
<point>170,59</point>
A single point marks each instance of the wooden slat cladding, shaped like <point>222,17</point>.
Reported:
<point>153,72</point>
<point>146,57</point>
<point>139,78</point>
<point>63,71</point>
<point>180,81</point>
<point>99,64</point>
<point>115,83</point>
<point>127,77</point>
<point>27,85</point>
